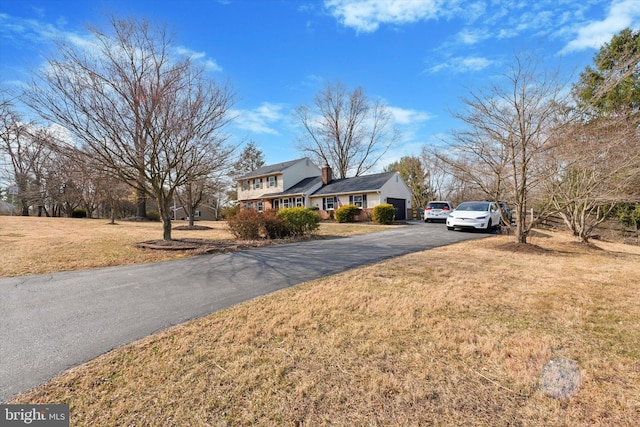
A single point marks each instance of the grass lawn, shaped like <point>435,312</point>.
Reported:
<point>477,333</point>
<point>32,245</point>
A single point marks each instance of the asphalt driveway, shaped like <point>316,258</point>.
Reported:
<point>50,323</point>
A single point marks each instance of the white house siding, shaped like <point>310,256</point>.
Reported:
<point>256,193</point>
<point>373,199</point>
<point>396,189</point>
<point>289,177</point>
<point>297,172</point>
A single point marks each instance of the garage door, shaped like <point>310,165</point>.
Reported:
<point>401,207</point>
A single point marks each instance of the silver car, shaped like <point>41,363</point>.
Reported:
<point>437,210</point>
<point>474,215</point>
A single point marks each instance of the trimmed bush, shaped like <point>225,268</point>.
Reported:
<point>79,213</point>
<point>347,213</point>
<point>383,214</point>
<point>153,215</point>
<point>300,221</point>
<point>246,224</point>
<point>273,226</point>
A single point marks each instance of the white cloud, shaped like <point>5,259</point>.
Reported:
<point>367,15</point>
<point>201,57</point>
<point>469,37</point>
<point>462,64</point>
<point>622,14</point>
<point>403,116</point>
<point>260,119</point>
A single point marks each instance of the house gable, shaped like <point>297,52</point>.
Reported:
<point>296,177</point>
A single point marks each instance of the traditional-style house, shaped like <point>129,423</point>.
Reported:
<point>285,185</point>
<point>302,183</point>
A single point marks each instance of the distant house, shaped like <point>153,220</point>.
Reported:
<point>302,183</point>
<point>202,213</point>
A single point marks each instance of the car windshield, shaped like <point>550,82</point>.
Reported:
<point>473,206</point>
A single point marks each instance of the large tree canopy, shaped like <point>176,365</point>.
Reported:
<point>506,131</point>
<point>345,130</point>
<point>153,118</point>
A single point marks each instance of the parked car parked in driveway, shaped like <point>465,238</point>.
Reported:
<point>474,215</point>
<point>437,210</point>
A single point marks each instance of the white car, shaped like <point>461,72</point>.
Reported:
<point>474,215</point>
<point>437,210</point>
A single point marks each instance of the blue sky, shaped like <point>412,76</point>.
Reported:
<point>418,56</point>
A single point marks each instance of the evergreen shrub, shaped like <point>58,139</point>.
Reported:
<point>383,214</point>
<point>347,213</point>
<point>79,213</point>
<point>300,220</point>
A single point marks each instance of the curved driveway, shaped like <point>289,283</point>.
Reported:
<point>49,323</point>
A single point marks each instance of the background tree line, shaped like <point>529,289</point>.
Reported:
<point>128,121</point>
<point>529,141</point>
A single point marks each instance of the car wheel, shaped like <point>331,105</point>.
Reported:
<point>489,227</point>
<point>449,228</point>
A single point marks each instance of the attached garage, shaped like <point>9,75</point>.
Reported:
<point>400,206</point>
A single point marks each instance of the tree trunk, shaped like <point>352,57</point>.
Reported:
<point>521,225</point>
<point>113,213</point>
<point>166,227</point>
<point>141,204</point>
<point>164,206</point>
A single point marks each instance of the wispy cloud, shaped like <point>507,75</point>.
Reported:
<point>622,14</point>
<point>472,36</point>
<point>19,31</point>
<point>199,57</point>
<point>462,64</point>
<point>261,119</point>
<point>367,15</point>
<point>403,116</point>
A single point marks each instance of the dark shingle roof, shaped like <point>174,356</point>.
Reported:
<point>358,184</point>
<point>301,187</point>
<point>272,169</point>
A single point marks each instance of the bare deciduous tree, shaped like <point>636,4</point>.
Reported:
<point>439,179</point>
<point>346,131</point>
<point>597,166</point>
<point>597,161</point>
<point>153,119</point>
<point>27,148</point>
<point>507,129</point>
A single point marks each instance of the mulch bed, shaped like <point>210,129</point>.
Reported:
<point>524,248</point>
<point>192,227</point>
<point>204,246</point>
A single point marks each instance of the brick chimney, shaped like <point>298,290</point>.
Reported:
<point>326,174</point>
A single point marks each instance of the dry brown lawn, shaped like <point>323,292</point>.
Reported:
<point>470,334</point>
<point>33,245</point>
